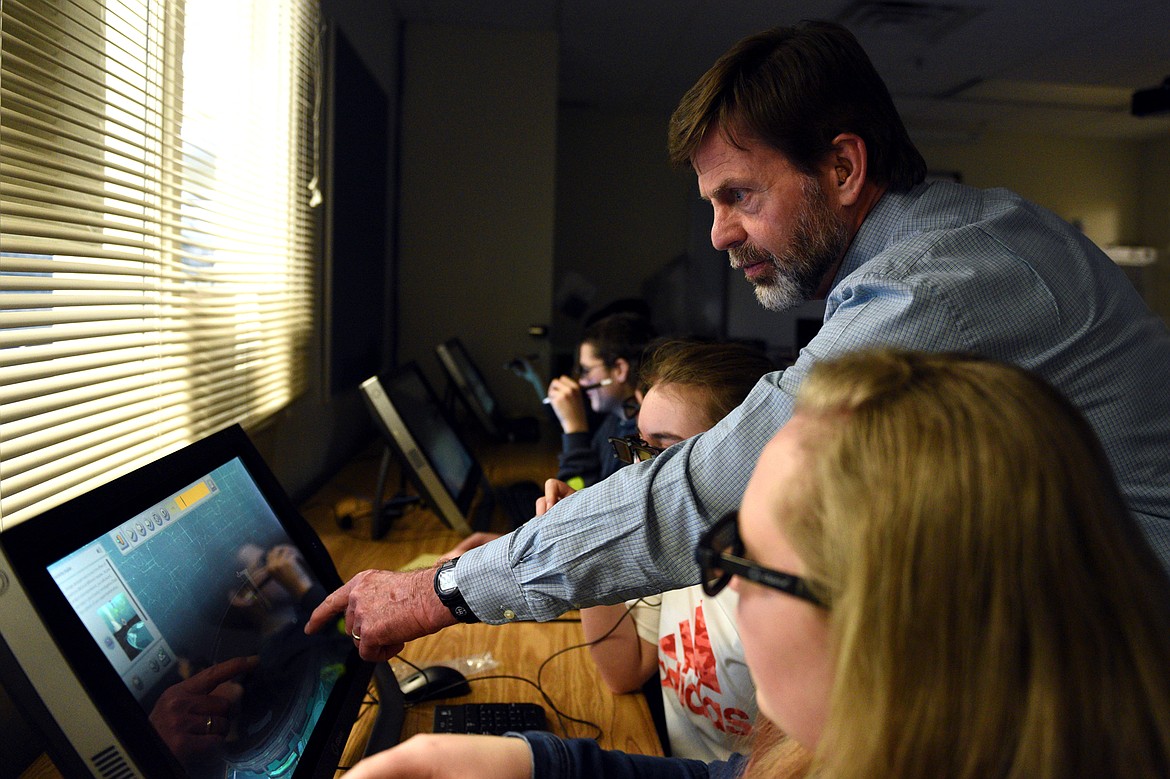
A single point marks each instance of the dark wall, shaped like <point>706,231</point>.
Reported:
<point>356,236</point>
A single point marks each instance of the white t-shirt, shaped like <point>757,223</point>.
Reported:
<point>709,697</point>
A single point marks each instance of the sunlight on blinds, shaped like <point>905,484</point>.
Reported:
<point>156,238</point>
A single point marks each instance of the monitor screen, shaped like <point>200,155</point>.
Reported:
<point>410,417</point>
<point>177,597</point>
<point>465,376</point>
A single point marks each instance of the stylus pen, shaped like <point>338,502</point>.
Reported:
<point>602,383</point>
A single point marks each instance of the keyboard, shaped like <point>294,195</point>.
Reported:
<point>493,719</point>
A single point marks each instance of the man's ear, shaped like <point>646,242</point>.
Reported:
<point>621,370</point>
<point>847,169</point>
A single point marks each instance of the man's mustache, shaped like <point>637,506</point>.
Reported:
<point>749,254</point>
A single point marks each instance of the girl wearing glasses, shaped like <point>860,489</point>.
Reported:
<point>937,577</point>
<point>685,640</point>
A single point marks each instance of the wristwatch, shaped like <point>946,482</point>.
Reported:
<point>448,592</point>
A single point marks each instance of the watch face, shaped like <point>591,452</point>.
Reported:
<point>446,580</point>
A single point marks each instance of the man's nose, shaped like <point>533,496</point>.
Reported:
<point>726,230</point>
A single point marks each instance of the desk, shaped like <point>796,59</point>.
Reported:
<point>571,679</point>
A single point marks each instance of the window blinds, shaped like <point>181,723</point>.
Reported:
<point>156,236</point>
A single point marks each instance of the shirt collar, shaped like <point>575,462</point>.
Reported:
<point>877,230</point>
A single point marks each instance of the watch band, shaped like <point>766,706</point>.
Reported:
<point>450,596</point>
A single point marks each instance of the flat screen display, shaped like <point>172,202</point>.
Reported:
<point>200,578</point>
<point>467,378</point>
<point>424,418</point>
<point>178,595</point>
<point>405,409</point>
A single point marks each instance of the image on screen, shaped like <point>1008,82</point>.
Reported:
<point>198,604</point>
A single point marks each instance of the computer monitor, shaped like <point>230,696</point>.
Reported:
<point>121,608</point>
<point>438,461</point>
<point>471,388</point>
<point>467,380</point>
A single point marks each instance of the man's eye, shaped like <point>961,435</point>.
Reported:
<point>732,197</point>
<point>736,197</point>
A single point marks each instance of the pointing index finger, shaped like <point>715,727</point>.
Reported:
<point>335,603</point>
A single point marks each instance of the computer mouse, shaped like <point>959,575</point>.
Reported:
<point>434,681</point>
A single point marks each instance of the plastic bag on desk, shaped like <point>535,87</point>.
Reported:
<point>469,665</point>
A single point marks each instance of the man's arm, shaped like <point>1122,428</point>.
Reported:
<point>634,533</point>
<point>631,535</point>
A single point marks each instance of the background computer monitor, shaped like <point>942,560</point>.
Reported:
<point>109,602</point>
<point>439,463</point>
<point>472,389</point>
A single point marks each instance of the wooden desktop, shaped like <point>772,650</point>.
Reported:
<point>570,679</point>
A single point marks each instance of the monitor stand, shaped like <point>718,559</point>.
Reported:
<point>386,511</point>
<point>387,728</point>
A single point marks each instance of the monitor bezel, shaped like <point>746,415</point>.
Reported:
<point>32,546</point>
<point>463,383</point>
<point>453,510</point>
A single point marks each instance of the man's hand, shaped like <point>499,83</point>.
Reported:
<point>449,756</point>
<point>383,610</point>
<point>555,491</point>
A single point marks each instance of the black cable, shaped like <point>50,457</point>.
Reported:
<point>369,703</point>
<point>412,665</point>
<point>559,652</point>
<point>538,685</point>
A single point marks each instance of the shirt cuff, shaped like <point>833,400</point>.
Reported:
<point>576,441</point>
<point>549,755</point>
<point>531,757</point>
<point>488,584</point>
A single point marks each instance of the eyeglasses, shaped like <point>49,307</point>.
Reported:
<point>720,556</point>
<point>583,371</point>
<point>632,449</point>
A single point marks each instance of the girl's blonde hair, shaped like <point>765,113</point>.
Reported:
<point>995,611</point>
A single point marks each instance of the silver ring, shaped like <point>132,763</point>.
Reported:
<point>355,636</point>
<point>209,724</point>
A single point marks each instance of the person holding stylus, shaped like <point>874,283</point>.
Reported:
<point>608,355</point>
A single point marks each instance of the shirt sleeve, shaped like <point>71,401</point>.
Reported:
<point>579,758</point>
<point>634,533</point>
